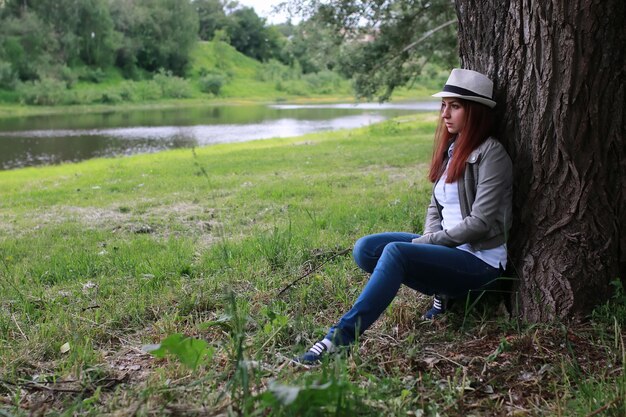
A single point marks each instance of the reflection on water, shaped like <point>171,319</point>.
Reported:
<point>55,139</point>
<point>424,106</point>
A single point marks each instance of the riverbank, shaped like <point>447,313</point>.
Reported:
<point>18,110</point>
<point>102,257</point>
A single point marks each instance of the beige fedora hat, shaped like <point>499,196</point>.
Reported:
<point>469,85</point>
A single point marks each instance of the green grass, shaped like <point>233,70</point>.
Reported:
<point>219,56</point>
<point>111,254</point>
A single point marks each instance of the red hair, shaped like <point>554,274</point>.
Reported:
<point>478,125</point>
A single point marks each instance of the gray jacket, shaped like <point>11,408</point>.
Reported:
<point>485,195</point>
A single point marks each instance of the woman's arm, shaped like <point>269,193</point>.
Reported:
<point>432,223</point>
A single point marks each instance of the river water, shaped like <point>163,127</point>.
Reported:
<point>43,140</point>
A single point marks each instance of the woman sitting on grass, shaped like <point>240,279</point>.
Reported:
<point>463,247</point>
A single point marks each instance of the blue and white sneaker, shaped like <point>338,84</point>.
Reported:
<point>315,354</point>
<point>438,308</point>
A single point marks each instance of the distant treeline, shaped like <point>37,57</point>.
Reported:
<point>60,39</point>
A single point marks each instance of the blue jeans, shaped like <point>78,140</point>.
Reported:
<point>392,260</point>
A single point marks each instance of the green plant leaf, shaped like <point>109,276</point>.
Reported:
<point>222,321</point>
<point>189,351</point>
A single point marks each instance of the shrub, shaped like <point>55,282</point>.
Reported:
<point>45,92</point>
<point>323,82</point>
<point>172,86</point>
<point>296,88</point>
<point>110,97</point>
<point>68,76</point>
<point>212,83</point>
<point>92,75</point>
<point>8,96</point>
<point>8,76</point>
<point>140,90</point>
<point>431,76</point>
<point>148,90</point>
<point>273,70</point>
<point>75,97</point>
<point>127,91</point>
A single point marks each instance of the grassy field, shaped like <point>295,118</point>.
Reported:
<point>100,258</point>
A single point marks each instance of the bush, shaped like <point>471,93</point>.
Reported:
<point>92,75</point>
<point>77,97</point>
<point>127,91</point>
<point>432,76</point>
<point>110,97</point>
<point>8,96</point>
<point>45,92</point>
<point>140,90</point>
<point>296,88</point>
<point>212,83</point>
<point>172,86</point>
<point>324,82</point>
<point>272,71</point>
<point>276,71</point>
<point>8,76</point>
<point>68,76</point>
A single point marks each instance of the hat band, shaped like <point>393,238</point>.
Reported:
<point>462,91</point>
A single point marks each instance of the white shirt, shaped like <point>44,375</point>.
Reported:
<point>447,194</point>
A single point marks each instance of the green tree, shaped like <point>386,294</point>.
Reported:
<point>249,35</point>
<point>158,33</point>
<point>126,16</point>
<point>97,38</point>
<point>27,44</point>
<point>313,45</point>
<point>211,17</point>
<point>385,44</point>
<point>81,31</point>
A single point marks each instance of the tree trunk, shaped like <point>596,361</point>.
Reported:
<point>558,68</point>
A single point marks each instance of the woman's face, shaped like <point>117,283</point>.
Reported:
<point>453,114</point>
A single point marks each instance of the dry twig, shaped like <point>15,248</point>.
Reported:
<point>317,268</point>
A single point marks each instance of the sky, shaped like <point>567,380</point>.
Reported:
<point>264,9</point>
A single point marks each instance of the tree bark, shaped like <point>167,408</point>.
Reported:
<point>558,67</point>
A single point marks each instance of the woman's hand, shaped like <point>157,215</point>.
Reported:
<point>425,238</point>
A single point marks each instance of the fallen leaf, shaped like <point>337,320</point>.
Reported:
<point>526,376</point>
<point>432,361</point>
